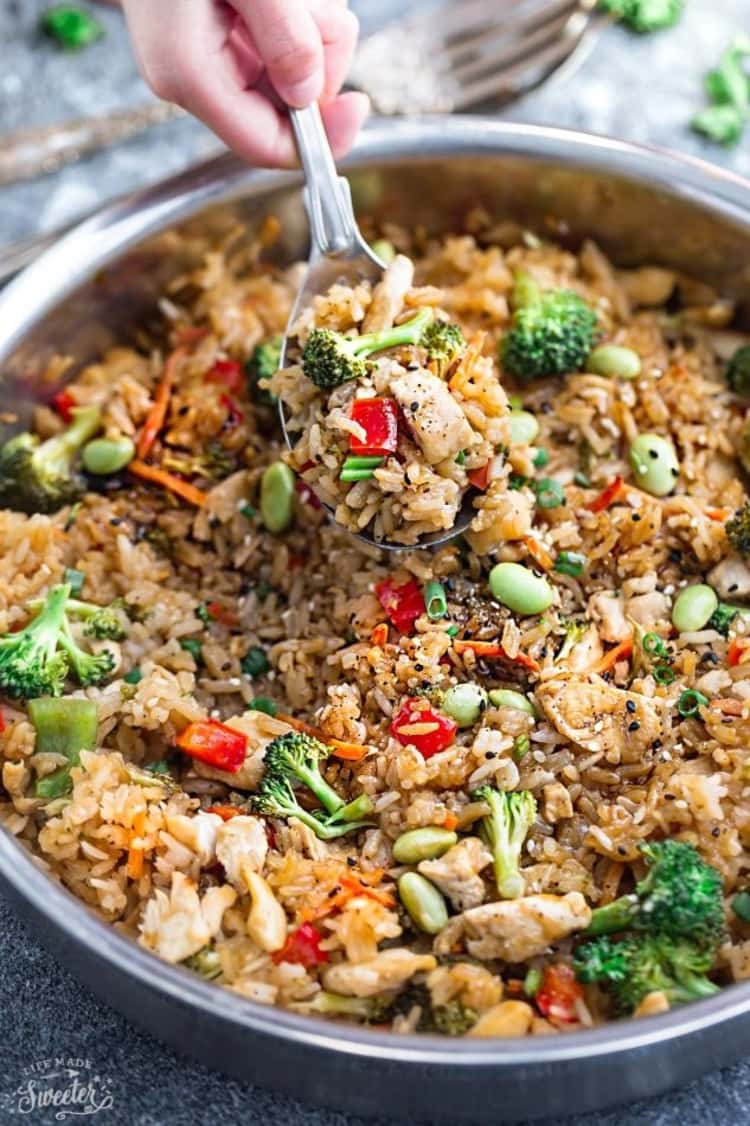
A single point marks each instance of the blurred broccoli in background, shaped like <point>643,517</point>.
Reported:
<point>728,87</point>
<point>644,15</point>
<point>71,26</point>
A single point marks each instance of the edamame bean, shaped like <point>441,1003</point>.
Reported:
<point>423,901</point>
<point>423,844</point>
<point>107,455</point>
<point>465,703</point>
<point>693,606</point>
<point>614,359</point>
<point>520,589</point>
<point>523,428</point>
<point>507,698</point>
<point>277,496</point>
<point>655,464</point>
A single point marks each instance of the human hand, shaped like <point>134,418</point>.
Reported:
<point>234,64</point>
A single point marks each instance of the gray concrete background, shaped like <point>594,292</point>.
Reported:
<point>639,89</point>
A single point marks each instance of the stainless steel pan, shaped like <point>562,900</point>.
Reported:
<point>641,205</point>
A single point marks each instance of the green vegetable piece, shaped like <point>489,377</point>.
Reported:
<point>71,26</point>
<point>524,428</point>
<point>103,456</point>
<point>423,844</point>
<point>504,830</point>
<point>277,497</point>
<point>425,904</point>
<point>738,372</point>
<point>693,607</point>
<point>532,982</point>
<point>728,87</point>
<point>297,757</point>
<point>507,698</point>
<point>663,674</point>
<point>552,333</point>
<point>435,600</point>
<point>520,589</point>
<point>614,359</point>
<point>541,458</point>
<point>329,358</point>
<point>722,618</point>
<point>263,704</point>
<point>465,703</point>
<point>30,664</point>
<point>521,746</point>
<point>549,493</point>
<point>360,468</point>
<point>39,476</point>
<point>741,906</point>
<point>654,462</point>
<point>444,342</point>
<point>63,727</point>
<point>134,676</point>
<point>206,963</point>
<point>384,249</point>
<point>192,646</point>
<point>255,663</point>
<point>263,363</point>
<point>570,563</point>
<point>645,16</point>
<point>722,124</point>
<point>74,579</point>
<point>738,529</point>
<point>690,702</point>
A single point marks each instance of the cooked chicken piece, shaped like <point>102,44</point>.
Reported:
<point>652,1003</point>
<point>703,793</point>
<point>586,652</point>
<point>178,924</point>
<point>389,970</point>
<point>556,803</point>
<point>731,579</point>
<point>607,610</point>
<point>509,1018</point>
<point>388,295</point>
<point>433,416</point>
<point>456,872</point>
<point>503,515</point>
<point>241,843</point>
<point>474,986</point>
<point>599,717</point>
<point>197,832</point>
<point>261,729</point>
<point>515,929</point>
<point>648,610</point>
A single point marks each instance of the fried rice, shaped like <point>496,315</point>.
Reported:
<point>173,851</point>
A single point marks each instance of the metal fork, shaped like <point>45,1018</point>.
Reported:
<point>464,53</point>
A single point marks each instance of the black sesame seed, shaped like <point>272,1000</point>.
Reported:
<point>656,744</point>
<point>622,850</point>
<point>653,453</point>
<point>419,668</point>
<point>490,754</point>
<point>715,831</point>
<point>634,726</point>
<point>674,472</point>
<point>116,521</point>
<point>351,861</point>
<point>631,705</point>
<point>414,406</point>
<point>733,588</point>
<point>635,518</point>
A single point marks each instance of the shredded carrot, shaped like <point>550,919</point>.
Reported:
<point>480,478</point>
<point>349,752</point>
<point>450,821</point>
<point>491,649</point>
<point>379,635</point>
<point>720,514</point>
<point>619,652</point>
<point>169,481</point>
<point>158,413</point>
<point>738,652</point>
<point>225,812</point>
<point>514,986</point>
<point>348,887</point>
<point>190,334</point>
<point>466,364</point>
<point>135,862</point>
<point>727,705</point>
<point>612,492</point>
<point>539,553</point>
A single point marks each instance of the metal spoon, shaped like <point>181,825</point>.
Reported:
<point>338,253</point>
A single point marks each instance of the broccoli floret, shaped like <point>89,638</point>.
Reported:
<point>89,668</point>
<point>297,756</point>
<point>371,1010</point>
<point>552,333</point>
<point>504,830</point>
<point>451,1019</point>
<point>574,631</point>
<point>738,529</point>
<point>39,476</point>
<point>640,964</point>
<point>444,342</point>
<point>329,358</point>
<point>738,372</point>
<point>205,962</point>
<point>263,363</point>
<point>105,623</point>
<point>728,88</point>
<point>722,618</point>
<point>30,664</point>
<point>679,898</point>
<point>276,798</point>
<point>645,15</point>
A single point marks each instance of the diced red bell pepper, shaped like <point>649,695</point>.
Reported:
<point>214,743</point>
<point>2,722</point>
<point>379,419</point>
<point>303,948</point>
<point>235,414</point>
<point>63,402</point>
<point>220,613</point>
<point>559,994</point>
<point>480,478</point>
<point>609,494</point>
<point>403,604</point>
<point>738,651</point>
<point>228,373</point>
<point>418,724</point>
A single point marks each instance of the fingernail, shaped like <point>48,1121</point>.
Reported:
<point>302,93</point>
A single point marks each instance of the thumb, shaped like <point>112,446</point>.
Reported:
<point>289,44</point>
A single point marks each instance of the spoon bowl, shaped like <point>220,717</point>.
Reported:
<point>338,254</point>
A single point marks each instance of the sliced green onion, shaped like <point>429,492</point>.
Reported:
<point>192,646</point>
<point>460,458</point>
<point>570,563</point>
<point>452,631</point>
<point>359,468</point>
<point>255,662</point>
<point>549,493</point>
<point>741,906</point>
<point>135,676</point>
<point>435,600</point>
<point>541,458</point>
<point>690,701</point>
<point>663,674</point>
<point>263,704</point>
<point>248,510</point>
<point>76,580</point>
<point>160,767</point>
<point>521,746</point>
<point>532,982</point>
<point>654,645</point>
<point>582,479</point>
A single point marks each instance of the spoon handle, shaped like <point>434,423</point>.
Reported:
<point>328,200</point>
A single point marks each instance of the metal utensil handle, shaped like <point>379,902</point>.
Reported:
<point>333,227</point>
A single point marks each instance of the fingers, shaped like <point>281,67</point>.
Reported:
<point>290,45</point>
<point>339,31</point>
<point>343,118</point>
